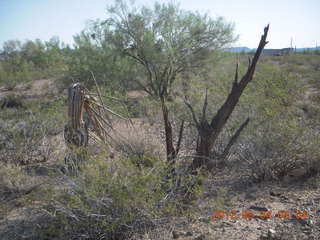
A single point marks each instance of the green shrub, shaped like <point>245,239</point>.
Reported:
<point>25,132</point>
<point>111,199</point>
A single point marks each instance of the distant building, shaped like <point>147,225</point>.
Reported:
<point>277,52</point>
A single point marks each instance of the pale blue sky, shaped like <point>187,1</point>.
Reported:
<point>297,19</point>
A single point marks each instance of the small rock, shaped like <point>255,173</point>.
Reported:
<point>296,173</point>
<point>258,208</point>
<point>200,237</point>
<point>226,224</point>
<point>283,197</point>
<point>306,230</point>
<point>264,236</point>
<point>312,203</point>
<point>205,219</point>
<point>275,193</point>
<point>175,235</point>
<point>271,233</point>
<point>11,102</point>
<point>303,221</point>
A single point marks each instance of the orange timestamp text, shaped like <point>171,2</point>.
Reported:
<point>250,214</point>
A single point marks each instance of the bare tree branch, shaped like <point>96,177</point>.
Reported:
<point>208,133</point>
<point>226,109</point>
<point>235,82</point>
<point>234,139</point>
<point>180,137</point>
<point>205,104</point>
<point>192,112</point>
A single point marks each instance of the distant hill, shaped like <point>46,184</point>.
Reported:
<point>246,49</point>
<point>307,49</point>
<point>238,49</point>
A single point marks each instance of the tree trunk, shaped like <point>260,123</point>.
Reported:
<point>171,152</point>
<point>209,132</point>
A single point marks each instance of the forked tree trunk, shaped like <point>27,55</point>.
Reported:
<point>172,151</point>
<point>208,132</point>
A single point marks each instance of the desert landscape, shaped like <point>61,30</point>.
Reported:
<point>152,127</point>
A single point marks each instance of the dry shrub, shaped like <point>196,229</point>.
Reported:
<point>27,134</point>
<point>11,101</point>
<point>273,155</point>
<point>11,177</point>
<point>24,142</point>
<point>107,200</point>
<point>138,142</point>
<point>14,184</point>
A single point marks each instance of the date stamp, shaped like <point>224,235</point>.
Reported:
<point>250,214</point>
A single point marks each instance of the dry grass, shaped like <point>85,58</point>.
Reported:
<point>138,141</point>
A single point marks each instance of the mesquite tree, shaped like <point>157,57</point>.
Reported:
<point>209,130</point>
<point>165,41</point>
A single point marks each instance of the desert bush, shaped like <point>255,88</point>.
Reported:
<point>23,62</point>
<point>138,145</point>
<point>278,141</point>
<point>14,184</point>
<point>106,200</point>
<point>12,177</point>
<point>11,101</point>
<point>25,143</point>
<point>25,133</point>
<point>272,155</point>
<point>109,200</point>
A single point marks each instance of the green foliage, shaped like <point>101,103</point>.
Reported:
<point>279,135</point>
<point>25,131</point>
<point>11,177</point>
<point>161,34</point>
<point>22,62</point>
<point>164,41</point>
<point>110,199</point>
<point>94,54</point>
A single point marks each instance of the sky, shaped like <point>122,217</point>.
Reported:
<point>289,19</point>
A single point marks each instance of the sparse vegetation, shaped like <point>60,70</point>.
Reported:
<point>127,188</point>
